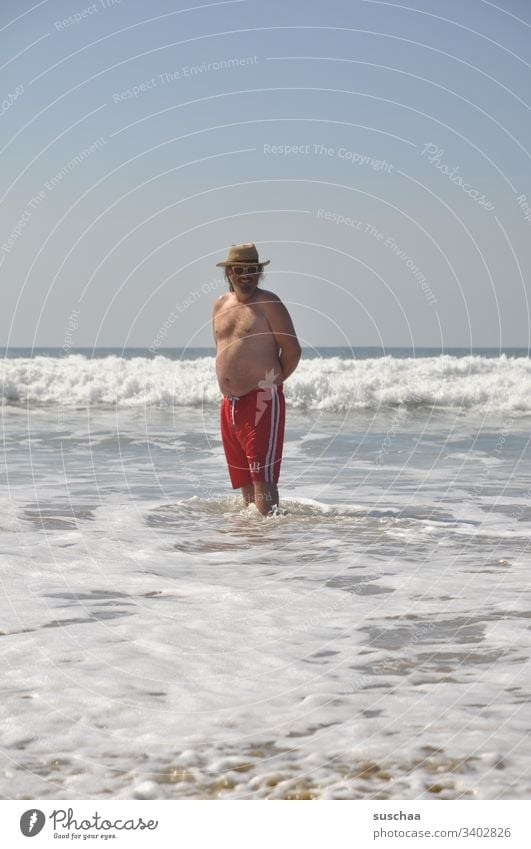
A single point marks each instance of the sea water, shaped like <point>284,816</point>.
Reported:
<point>159,640</point>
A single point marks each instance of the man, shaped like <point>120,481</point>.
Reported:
<point>256,350</point>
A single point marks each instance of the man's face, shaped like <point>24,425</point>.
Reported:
<point>245,279</point>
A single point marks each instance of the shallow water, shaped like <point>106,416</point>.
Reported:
<point>161,641</point>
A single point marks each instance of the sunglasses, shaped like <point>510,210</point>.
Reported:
<point>240,270</point>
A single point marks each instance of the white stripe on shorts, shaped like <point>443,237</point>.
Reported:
<point>273,435</point>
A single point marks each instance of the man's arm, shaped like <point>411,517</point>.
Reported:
<point>215,308</point>
<point>283,330</point>
<point>214,326</point>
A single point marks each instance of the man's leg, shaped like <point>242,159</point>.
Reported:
<point>248,494</point>
<point>236,457</point>
<point>264,412</point>
<point>265,496</point>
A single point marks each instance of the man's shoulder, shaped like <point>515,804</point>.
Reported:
<point>268,297</point>
<point>271,304</point>
<point>221,301</point>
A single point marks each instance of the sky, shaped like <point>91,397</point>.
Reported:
<point>377,153</point>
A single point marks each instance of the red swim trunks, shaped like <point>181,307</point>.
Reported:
<point>252,432</point>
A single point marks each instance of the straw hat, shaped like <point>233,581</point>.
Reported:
<point>246,254</point>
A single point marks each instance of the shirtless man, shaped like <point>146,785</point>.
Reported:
<point>256,350</point>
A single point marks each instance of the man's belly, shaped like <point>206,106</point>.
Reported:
<point>240,367</point>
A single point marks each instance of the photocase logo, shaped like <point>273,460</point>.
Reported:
<point>32,822</point>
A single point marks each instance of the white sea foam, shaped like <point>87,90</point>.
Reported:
<point>161,641</point>
<point>333,385</point>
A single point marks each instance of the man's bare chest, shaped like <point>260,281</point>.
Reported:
<point>240,321</point>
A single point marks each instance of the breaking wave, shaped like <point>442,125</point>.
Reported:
<point>334,384</point>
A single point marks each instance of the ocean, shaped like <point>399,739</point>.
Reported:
<point>160,641</point>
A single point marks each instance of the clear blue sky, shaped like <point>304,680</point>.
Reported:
<point>378,153</point>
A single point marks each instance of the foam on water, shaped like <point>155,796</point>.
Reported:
<point>333,384</point>
<point>160,640</point>
<point>201,650</point>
